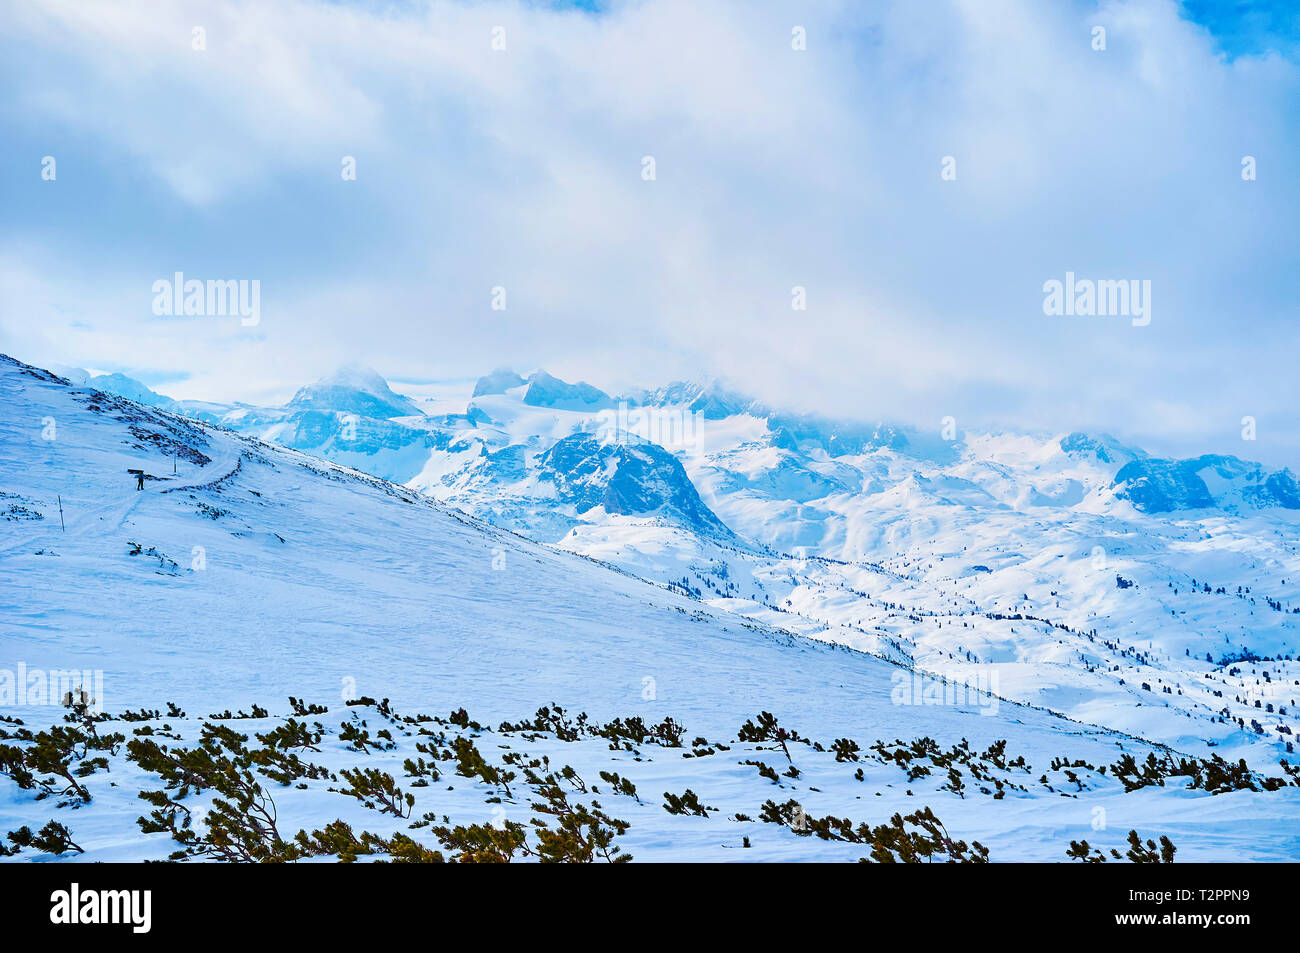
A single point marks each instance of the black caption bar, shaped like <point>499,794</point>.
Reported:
<point>142,903</point>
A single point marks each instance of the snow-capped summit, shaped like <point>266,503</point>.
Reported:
<point>355,389</point>
<point>75,375</point>
<point>708,397</point>
<point>835,437</point>
<point>1103,449</point>
<point>130,388</point>
<point>498,382</point>
<point>544,390</point>
<point>119,384</point>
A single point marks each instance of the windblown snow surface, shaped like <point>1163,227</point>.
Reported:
<point>254,573</point>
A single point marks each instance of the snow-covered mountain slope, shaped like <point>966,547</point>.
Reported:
<point>254,572</point>
<point>1085,576</point>
<point>1207,482</point>
<point>255,543</point>
<point>625,478</point>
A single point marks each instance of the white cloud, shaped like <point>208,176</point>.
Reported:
<point>775,168</point>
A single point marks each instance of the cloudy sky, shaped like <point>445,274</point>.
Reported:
<point>210,139</point>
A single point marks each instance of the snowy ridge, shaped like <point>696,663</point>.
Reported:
<point>255,573</point>
<point>1091,578</point>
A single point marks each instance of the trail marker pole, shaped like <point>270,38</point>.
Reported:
<point>61,526</point>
